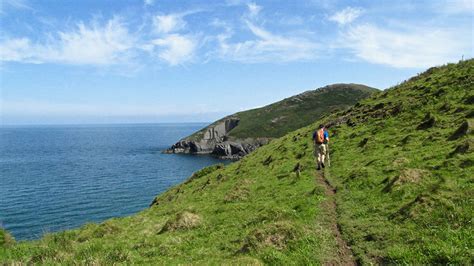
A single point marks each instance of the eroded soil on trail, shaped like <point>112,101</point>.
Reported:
<point>344,252</point>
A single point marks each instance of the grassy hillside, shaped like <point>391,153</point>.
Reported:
<point>402,165</point>
<point>277,119</point>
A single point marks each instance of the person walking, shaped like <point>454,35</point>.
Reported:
<point>321,140</point>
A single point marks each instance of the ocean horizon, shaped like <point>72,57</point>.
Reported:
<point>58,177</point>
<point>7,125</point>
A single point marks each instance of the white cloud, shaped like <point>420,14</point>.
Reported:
<point>176,48</point>
<point>16,50</point>
<point>413,48</point>
<point>168,23</point>
<point>92,44</point>
<point>254,9</point>
<point>346,16</point>
<point>109,43</point>
<point>267,47</point>
<point>149,2</point>
<point>169,38</point>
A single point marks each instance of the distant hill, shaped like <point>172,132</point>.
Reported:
<point>402,185</point>
<point>238,134</point>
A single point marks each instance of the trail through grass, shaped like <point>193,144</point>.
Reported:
<point>329,207</point>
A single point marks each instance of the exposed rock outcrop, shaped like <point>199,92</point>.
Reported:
<point>215,140</point>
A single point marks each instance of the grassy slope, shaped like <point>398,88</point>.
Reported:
<point>403,196</point>
<point>277,119</point>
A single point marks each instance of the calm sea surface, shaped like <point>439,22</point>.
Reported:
<point>59,177</point>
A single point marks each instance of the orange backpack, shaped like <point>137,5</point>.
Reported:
<point>320,136</point>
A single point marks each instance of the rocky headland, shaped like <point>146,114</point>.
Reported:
<point>237,135</point>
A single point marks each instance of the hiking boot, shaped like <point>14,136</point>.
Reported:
<point>319,168</point>
<point>322,164</point>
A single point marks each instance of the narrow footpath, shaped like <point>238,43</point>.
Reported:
<point>344,253</point>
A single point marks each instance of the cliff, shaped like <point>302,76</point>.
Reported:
<point>239,134</point>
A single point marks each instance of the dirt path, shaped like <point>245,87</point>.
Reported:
<point>344,253</point>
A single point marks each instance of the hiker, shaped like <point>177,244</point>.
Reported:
<point>321,139</point>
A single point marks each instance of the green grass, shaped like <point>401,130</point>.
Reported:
<point>277,119</point>
<point>404,194</point>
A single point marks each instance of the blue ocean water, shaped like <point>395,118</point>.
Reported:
<point>59,177</point>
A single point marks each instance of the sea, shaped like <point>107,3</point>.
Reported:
<point>59,177</point>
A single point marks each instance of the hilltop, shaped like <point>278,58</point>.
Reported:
<point>401,169</point>
<point>237,135</point>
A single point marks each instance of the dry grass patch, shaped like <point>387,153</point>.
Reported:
<point>276,235</point>
<point>239,192</point>
<point>182,221</point>
<point>411,176</point>
<point>6,239</point>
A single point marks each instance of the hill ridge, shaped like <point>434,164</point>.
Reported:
<point>237,135</point>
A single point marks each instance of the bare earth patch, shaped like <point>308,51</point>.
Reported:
<point>344,253</point>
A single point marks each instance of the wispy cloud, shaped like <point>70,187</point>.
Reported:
<point>14,4</point>
<point>346,16</point>
<point>92,44</point>
<point>168,23</point>
<point>267,47</point>
<point>409,48</point>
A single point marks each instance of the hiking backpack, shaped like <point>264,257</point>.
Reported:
<point>319,136</point>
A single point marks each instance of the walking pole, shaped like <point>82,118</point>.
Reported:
<point>329,158</point>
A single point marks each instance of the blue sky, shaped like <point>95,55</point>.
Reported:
<point>115,61</point>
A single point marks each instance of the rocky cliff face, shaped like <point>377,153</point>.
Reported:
<point>215,140</point>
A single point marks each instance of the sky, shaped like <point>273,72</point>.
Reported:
<point>148,61</point>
